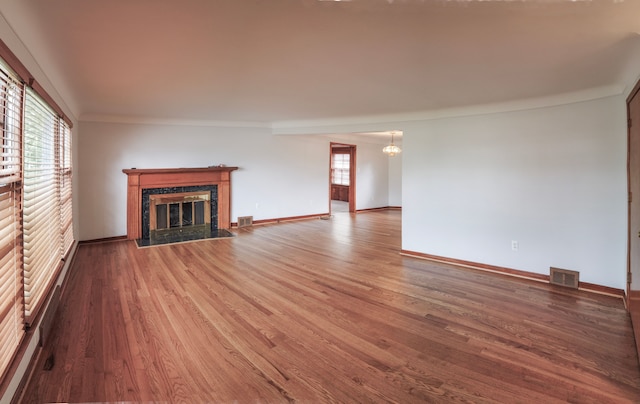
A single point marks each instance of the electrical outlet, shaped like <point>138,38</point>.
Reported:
<point>514,245</point>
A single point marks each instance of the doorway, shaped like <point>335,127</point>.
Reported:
<point>342,177</point>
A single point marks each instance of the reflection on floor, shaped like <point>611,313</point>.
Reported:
<point>339,206</point>
<point>182,236</point>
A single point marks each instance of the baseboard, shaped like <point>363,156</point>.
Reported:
<point>475,265</point>
<point>103,240</point>
<point>284,219</point>
<point>313,216</point>
<point>602,290</point>
<point>380,208</point>
<point>589,287</point>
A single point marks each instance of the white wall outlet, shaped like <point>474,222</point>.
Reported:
<point>514,245</point>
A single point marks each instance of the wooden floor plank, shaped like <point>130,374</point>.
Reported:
<point>325,311</point>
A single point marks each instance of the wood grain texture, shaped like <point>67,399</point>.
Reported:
<point>634,311</point>
<point>325,311</point>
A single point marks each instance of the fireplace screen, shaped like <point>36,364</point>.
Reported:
<point>179,212</point>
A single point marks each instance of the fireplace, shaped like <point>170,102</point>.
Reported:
<point>167,205</point>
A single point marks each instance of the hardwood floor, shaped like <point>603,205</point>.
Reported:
<point>325,311</point>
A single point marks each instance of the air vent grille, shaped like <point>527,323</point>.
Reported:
<point>245,221</point>
<point>564,277</point>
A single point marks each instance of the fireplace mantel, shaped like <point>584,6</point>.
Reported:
<point>139,179</point>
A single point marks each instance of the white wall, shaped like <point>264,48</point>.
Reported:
<point>395,180</point>
<point>550,174</point>
<point>372,176</point>
<point>279,176</point>
<point>553,179</point>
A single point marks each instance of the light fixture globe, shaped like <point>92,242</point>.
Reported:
<point>391,149</point>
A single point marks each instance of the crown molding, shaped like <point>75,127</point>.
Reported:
<point>372,121</point>
<point>289,127</point>
<point>170,121</point>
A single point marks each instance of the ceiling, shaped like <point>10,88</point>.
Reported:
<point>286,60</point>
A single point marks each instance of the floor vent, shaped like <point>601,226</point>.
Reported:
<point>564,277</point>
<point>245,221</point>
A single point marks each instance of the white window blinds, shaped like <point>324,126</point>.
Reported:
<point>11,298</point>
<point>41,196</point>
<point>64,187</point>
<point>11,308</point>
<point>11,104</point>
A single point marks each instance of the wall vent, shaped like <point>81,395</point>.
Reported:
<point>245,221</point>
<point>564,277</point>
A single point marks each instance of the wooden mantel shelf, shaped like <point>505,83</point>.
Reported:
<point>176,170</point>
<point>144,178</point>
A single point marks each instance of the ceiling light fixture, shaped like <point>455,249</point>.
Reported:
<point>391,149</point>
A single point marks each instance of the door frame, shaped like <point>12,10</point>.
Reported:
<point>630,171</point>
<point>352,173</point>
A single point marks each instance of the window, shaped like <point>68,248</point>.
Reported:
<point>340,163</point>
<point>42,213</point>
<point>36,229</point>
